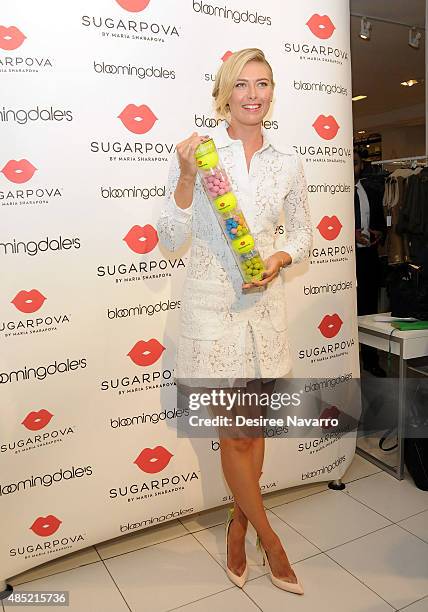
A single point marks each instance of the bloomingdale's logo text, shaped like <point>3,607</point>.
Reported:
<point>225,13</point>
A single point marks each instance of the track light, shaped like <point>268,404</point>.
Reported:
<point>366,26</point>
<point>414,38</point>
<point>410,83</point>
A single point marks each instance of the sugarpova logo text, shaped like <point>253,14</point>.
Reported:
<point>324,153</point>
<point>11,38</point>
<point>24,64</point>
<point>141,240</point>
<point>131,29</point>
<point>28,197</point>
<point>136,118</point>
<point>143,354</point>
<point>35,441</point>
<point>316,52</point>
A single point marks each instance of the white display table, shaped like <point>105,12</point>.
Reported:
<point>407,345</point>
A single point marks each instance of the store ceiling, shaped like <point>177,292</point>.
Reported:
<point>381,63</point>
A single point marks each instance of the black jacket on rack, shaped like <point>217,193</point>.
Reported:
<point>413,219</point>
<point>368,270</point>
<point>377,218</point>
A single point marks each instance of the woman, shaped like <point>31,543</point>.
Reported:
<point>234,335</point>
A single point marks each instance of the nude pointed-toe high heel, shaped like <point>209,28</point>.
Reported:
<point>281,584</point>
<point>238,580</point>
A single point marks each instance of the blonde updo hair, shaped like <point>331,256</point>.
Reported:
<point>227,75</point>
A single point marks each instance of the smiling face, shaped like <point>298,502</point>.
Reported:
<point>251,95</point>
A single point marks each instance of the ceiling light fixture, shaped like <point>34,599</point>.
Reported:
<point>414,38</point>
<point>410,83</point>
<point>357,98</point>
<point>366,26</point>
<point>361,132</point>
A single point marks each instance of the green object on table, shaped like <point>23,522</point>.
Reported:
<point>410,325</point>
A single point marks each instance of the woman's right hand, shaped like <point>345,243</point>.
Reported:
<point>186,155</point>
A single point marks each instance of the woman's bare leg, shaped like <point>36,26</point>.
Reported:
<point>238,528</point>
<point>239,457</point>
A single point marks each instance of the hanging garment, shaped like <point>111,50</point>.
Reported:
<point>413,217</point>
<point>396,246</point>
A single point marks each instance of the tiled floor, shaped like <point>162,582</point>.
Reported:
<point>363,549</point>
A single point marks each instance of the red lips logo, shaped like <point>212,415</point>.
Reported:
<point>332,412</point>
<point>10,38</point>
<point>19,171</point>
<point>137,119</point>
<point>330,325</point>
<point>326,127</point>
<point>153,460</point>
<point>329,227</point>
<point>146,353</point>
<point>45,525</point>
<point>28,301</point>
<point>37,420</point>
<point>134,6</point>
<point>226,55</point>
<point>142,240</point>
<point>321,26</point>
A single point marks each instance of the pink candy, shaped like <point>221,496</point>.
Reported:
<point>217,183</point>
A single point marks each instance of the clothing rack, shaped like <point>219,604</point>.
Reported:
<point>400,160</point>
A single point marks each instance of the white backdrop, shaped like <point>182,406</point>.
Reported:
<point>76,410</point>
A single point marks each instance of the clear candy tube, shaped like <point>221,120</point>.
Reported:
<point>218,189</point>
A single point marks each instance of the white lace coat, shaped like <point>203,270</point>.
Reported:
<point>224,333</point>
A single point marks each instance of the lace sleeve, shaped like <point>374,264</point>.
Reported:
<point>174,224</point>
<point>298,226</point>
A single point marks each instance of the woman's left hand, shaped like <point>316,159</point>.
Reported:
<point>272,267</point>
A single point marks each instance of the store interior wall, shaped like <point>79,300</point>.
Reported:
<point>379,65</point>
<point>403,141</point>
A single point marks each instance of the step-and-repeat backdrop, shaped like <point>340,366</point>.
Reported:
<point>95,95</point>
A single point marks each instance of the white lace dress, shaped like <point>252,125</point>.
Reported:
<point>228,337</point>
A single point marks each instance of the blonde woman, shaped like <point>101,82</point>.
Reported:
<point>234,335</point>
